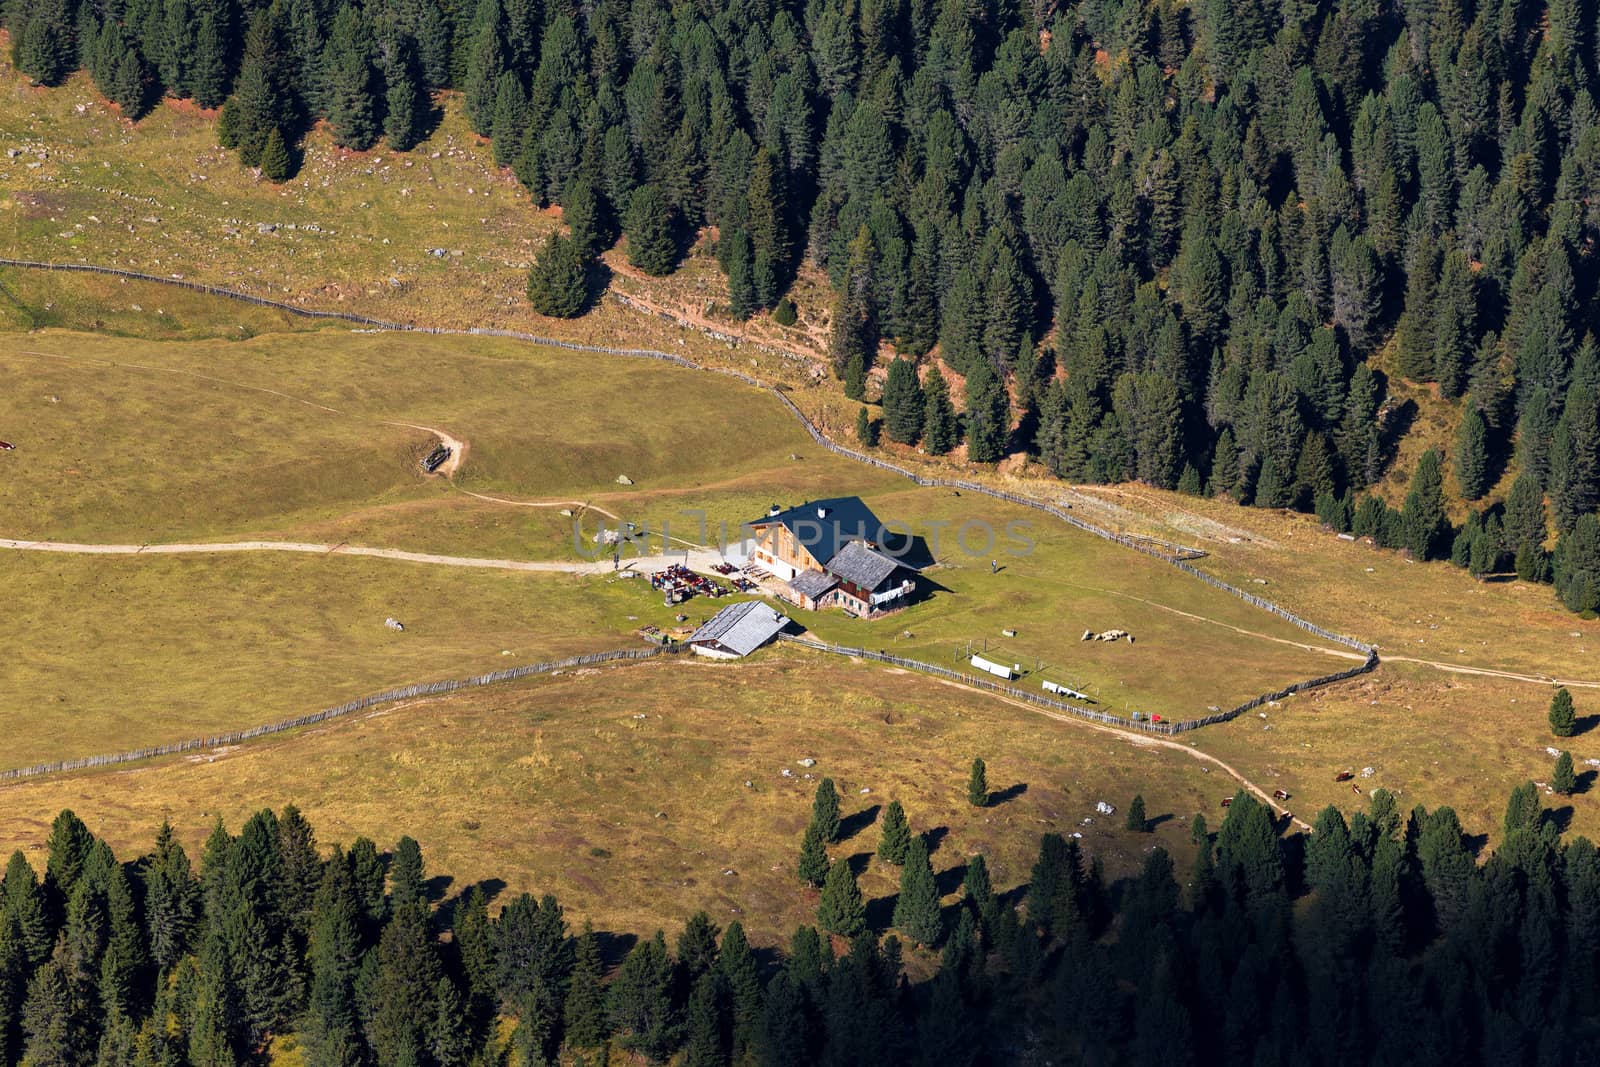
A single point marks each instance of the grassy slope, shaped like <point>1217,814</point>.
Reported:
<point>135,651</point>
<point>214,439</point>
<point>524,782</point>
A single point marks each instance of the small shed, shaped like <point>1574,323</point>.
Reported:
<point>737,630</point>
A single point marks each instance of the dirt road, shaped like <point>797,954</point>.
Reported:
<point>697,560</point>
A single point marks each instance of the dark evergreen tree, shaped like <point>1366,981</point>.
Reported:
<point>904,405</point>
<point>558,280</point>
<point>350,92</point>
<point>894,835</point>
<point>813,866</point>
<point>1137,821</point>
<point>916,909</point>
<point>1562,779</point>
<point>639,1000</point>
<point>651,244</point>
<point>940,429</point>
<point>842,910</point>
<point>1563,720</point>
<point>978,785</point>
<point>825,811</point>
<point>1426,526</point>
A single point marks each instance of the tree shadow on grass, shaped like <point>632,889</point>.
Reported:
<point>851,825</point>
<point>1560,817</point>
<point>1584,723</point>
<point>614,948</point>
<point>949,880</point>
<point>434,888</point>
<point>1152,823</point>
<point>1586,782</point>
<point>1000,796</point>
<point>858,863</point>
<point>880,912</point>
<point>935,837</point>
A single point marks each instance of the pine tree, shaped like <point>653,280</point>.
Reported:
<point>903,402</point>
<point>557,281</point>
<point>988,415</point>
<point>841,910</point>
<point>866,429</point>
<point>1576,565</point>
<point>1137,821</point>
<point>651,245</point>
<point>332,1027</point>
<point>1562,779</point>
<point>703,1046</point>
<point>825,811</point>
<point>407,878</point>
<point>639,1000</point>
<point>1563,720</point>
<point>978,785</point>
<point>743,984</point>
<point>916,909</point>
<point>894,836</point>
<point>940,429</point>
<point>403,1005</point>
<point>1424,519</point>
<point>24,903</point>
<point>813,866</point>
<point>405,99</point>
<point>349,95</point>
<point>584,1014</point>
<point>1472,455</point>
<point>277,165</point>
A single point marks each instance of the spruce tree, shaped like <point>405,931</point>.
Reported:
<point>1472,455</point>
<point>743,984</point>
<point>639,1000</point>
<point>584,1015</point>
<point>978,785</point>
<point>825,811</point>
<point>1576,566</point>
<point>940,429</point>
<point>648,227</point>
<point>894,835</point>
<point>1563,720</point>
<point>903,402</point>
<point>349,95</point>
<point>841,910</point>
<point>1562,779</point>
<point>557,281</point>
<point>988,415</point>
<point>1137,821</point>
<point>916,909</point>
<point>405,99</point>
<point>276,163</point>
<point>1424,520</point>
<point>813,866</point>
<point>407,880</point>
<point>866,430</point>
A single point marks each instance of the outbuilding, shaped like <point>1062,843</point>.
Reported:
<point>737,630</point>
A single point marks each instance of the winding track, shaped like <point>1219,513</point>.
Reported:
<point>810,427</point>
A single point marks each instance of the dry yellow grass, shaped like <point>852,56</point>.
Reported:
<point>623,790</point>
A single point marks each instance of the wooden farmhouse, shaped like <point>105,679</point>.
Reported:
<point>831,553</point>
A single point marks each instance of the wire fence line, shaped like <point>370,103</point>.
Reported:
<point>1179,557</point>
<point>388,696</point>
<point>1166,728</point>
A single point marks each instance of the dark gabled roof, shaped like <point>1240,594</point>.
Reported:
<point>741,628</point>
<point>813,583</point>
<point>823,527</point>
<point>861,566</point>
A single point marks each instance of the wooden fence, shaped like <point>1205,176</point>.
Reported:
<point>1177,556</point>
<point>1027,695</point>
<point>421,689</point>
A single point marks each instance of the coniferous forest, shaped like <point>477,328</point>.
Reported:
<point>1378,941</point>
<point>1155,240</point>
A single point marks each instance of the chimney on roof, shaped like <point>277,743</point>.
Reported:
<point>822,513</point>
<point>773,511</point>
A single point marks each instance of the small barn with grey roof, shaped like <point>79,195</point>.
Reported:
<point>737,630</point>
